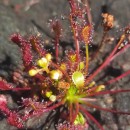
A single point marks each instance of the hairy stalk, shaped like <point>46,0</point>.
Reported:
<point>118,78</point>
<point>73,8</point>
<point>56,47</point>
<point>108,110</point>
<point>87,58</point>
<point>72,5</point>
<point>55,106</point>
<point>106,62</point>
<point>89,16</point>
<point>86,3</point>
<point>101,45</point>
<point>89,90</point>
<point>108,92</point>
<point>120,51</point>
<point>103,40</point>
<point>74,28</point>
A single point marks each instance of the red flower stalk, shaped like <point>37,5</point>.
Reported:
<point>56,26</point>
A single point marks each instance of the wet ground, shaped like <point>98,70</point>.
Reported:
<point>27,18</point>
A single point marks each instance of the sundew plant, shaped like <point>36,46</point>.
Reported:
<point>66,85</point>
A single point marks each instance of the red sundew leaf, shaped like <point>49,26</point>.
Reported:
<point>3,100</point>
<point>56,26</point>
<point>37,45</point>
<point>15,120</point>
<point>5,86</point>
<point>12,117</point>
<point>40,108</point>
<point>27,54</point>
<point>86,32</point>
<point>16,38</point>
<point>25,47</point>
<point>4,108</point>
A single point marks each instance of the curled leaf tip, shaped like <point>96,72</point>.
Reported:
<point>78,79</point>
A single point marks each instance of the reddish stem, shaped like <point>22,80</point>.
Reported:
<point>88,12</point>
<point>73,8</point>
<point>117,78</point>
<point>21,89</point>
<point>75,32</point>
<point>105,109</point>
<point>70,112</point>
<point>101,45</point>
<point>55,106</point>
<point>91,89</point>
<point>87,114</point>
<point>76,111</point>
<point>121,51</point>
<point>56,47</point>
<point>108,92</point>
<point>72,5</point>
<point>39,112</point>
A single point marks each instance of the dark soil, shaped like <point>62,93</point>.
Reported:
<point>17,16</point>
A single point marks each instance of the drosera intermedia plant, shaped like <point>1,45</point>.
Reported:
<point>63,84</point>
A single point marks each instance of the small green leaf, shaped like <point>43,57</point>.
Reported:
<point>78,79</point>
<point>72,91</point>
<point>81,65</point>
<point>79,119</point>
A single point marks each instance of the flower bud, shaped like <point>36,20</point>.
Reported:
<point>48,93</point>
<point>100,88</point>
<point>42,62</point>
<point>48,57</point>
<point>108,21</point>
<point>33,72</point>
<point>56,74</point>
<point>52,98</point>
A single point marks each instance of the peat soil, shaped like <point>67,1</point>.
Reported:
<point>33,16</point>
